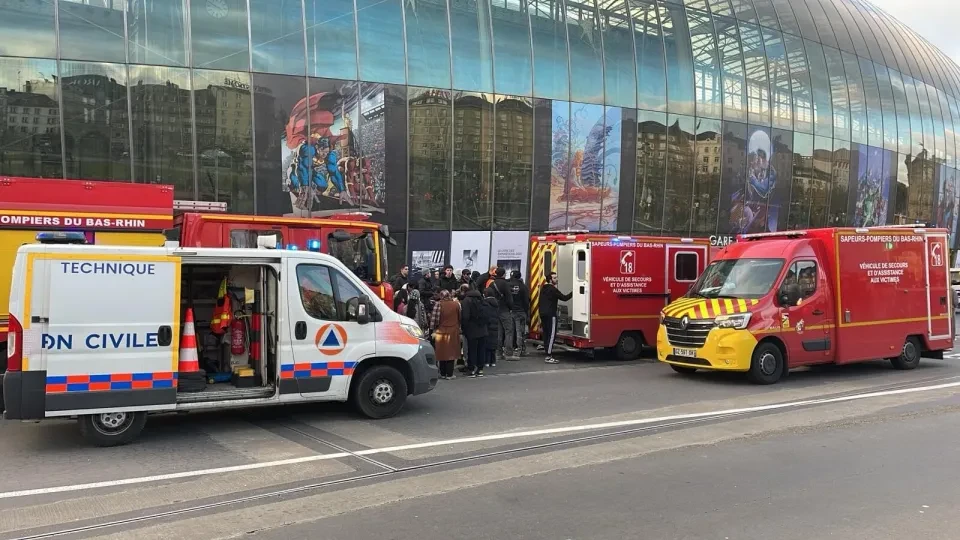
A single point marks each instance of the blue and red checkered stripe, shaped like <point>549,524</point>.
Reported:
<point>316,369</point>
<point>57,384</point>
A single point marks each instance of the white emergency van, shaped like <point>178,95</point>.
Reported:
<point>95,333</point>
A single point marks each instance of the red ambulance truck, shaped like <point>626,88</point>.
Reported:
<point>775,301</point>
<point>619,285</point>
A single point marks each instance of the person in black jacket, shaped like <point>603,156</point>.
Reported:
<point>504,298</point>
<point>473,322</point>
<point>448,281</point>
<point>549,296</point>
<point>491,310</point>
<point>465,278</point>
<point>520,312</point>
<point>400,279</point>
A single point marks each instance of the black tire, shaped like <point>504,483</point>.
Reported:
<point>683,370</point>
<point>629,346</point>
<point>112,429</point>
<point>767,365</point>
<point>380,393</point>
<point>909,355</point>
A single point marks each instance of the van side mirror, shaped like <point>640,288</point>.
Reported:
<point>363,309</point>
<point>368,240</point>
<point>789,294</point>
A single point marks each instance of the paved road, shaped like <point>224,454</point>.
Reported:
<point>509,450</point>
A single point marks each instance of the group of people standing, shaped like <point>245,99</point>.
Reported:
<point>481,318</point>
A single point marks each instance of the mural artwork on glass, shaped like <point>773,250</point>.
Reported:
<point>872,191</point>
<point>610,200</point>
<point>580,146</point>
<point>947,201</point>
<point>749,206</point>
<point>332,152</point>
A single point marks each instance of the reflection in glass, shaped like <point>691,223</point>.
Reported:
<point>651,166</point>
<point>722,7</point>
<point>511,48</point>
<point>858,102</point>
<point>162,129</point>
<point>916,122</point>
<point>380,35</point>
<point>332,39</point>
<point>808,28</point>
<point>827,38</point>
<point>156,32</point>
<point>803,186</point>
<point>734,213</point>
<point>766,13</point>
<point>679,188</point>
<point>887,107</point>
<point>551,74</point>
<point>276,32</point>
<point>586,54</point>
<point>513,168</point>
<point>28,29</point>
<point>91,30</point>
<point>472,46</point>
<point>706,64</point>
<point>778,173</point>
<point>218,31</point>
<point>871,90</point>
<point>822,176</point>
<point>472,161</point>
<point>788,21</point>
<point>430,128</point>
<point>620,70</point>
<point>679,58</point>
<point>30,140</point>
<point>224,138</point>
<point>839,185</point>
<point>743,10</point>
<point>755,64</point>
<point>779,79</point>
<point>731,60</point>
<point>800,84</point>
<point>939,141</point>
<point>706,186</point>
<point>97,134</point>
<point>428,44</point>
<point>838,98</point>
<point>648,41</point>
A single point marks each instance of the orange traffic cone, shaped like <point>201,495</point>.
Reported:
<point>190,377</point>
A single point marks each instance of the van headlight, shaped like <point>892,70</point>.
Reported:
<point>413,330</point>
<point>736,322</point>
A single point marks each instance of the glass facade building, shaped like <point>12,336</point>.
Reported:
<point>465,122</point>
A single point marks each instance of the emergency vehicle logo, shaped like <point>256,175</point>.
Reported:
<point>936,254</point>
<point>800,327</point>
<point>331,339</point>
<point>627,258</point>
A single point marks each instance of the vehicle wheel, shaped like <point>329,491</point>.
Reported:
<point>629,346</point>
<point>683,370</point>
<point>381,392</point>
<point>112,429</point>
<point>909,356</point>
<point>767,365</point>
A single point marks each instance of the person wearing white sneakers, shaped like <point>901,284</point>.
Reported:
<point>550,295</point>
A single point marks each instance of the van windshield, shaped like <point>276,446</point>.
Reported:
<point>737,278</point>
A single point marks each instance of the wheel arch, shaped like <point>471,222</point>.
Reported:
<point>779,344</point>
<point>397,363</point>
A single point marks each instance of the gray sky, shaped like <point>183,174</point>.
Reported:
<point>932,19</point>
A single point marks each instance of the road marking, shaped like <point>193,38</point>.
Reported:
<point>465,440</point>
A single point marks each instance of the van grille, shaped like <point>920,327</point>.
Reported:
<point>695,335</point>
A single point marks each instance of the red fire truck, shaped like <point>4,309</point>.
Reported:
<point>619,285</point>
<point>773,301</point>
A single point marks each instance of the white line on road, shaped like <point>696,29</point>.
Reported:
<point>466,440</point>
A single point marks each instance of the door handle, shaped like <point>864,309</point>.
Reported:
<point>300,330</point>
<point>164,336</point>
<point>817,312</point>
<point>581,289</point>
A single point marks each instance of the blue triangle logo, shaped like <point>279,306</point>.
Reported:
<point>331,340</point>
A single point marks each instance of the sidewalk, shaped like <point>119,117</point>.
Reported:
<point>533,361</point>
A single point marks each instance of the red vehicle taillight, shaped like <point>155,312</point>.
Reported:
<point>14,345</point>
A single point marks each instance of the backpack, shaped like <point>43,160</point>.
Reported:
<point>420,315</point>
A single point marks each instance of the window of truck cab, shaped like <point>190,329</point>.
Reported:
<point>738,278</point>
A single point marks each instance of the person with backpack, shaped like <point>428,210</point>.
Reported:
<point>519,313</point>
<point>416,310</point>
<point>473,322</point>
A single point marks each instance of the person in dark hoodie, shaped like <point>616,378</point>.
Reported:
<point>550,295</point>
<point>449,281</point>
<point>491,310</point>
<point>505,305</point>
<point>465,278</point>
<point>400,279</point>
<point>428,285</point>
<point>520,312</point>
<point>473,322</point>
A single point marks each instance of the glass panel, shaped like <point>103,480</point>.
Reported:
<point>92,30</point>
<point>803,187</point>
<point>766,13</point>
<point>513,165</point>
<point>281,129</point>
<point>156,31</point>
<point>731,60</point>
<point>877,27</point>
<point>706,65</point>
<point>679,188</point>
<point>551,73</point>
<point>380,39</point>
<point>430,158</point>
<point>721,7</point>
<point>472,161</point>
<point>822,22</point>
<point>871,89</point>
<point>926,117</point>
<point>30,144</point>
<point>851,21</point>
<point>788,21</point>
<point>428,44</point>
<point>28,29</point>
<point>840,183</point>
<point>821,184</point>
<point>858,102</point>
<point>651,73</point>
<point>887,107</point>
<point>561,164</point>
<point>95,117</point>
<point>706,186</point>
<point>758,86</point>
<point>775,181</point>
<point>808,28</point>
<point>651,168</point>
<point>218,31</point>
<point>695,4</point>
<point>276,31</point>
<point>586,58</point>
<point>620,69</point>
<point>611,156</point>
<point>679,58</point>
<point>872,194</point>
<point>800,84</point>
<point>743,10</point>
<point>511,48</point>
<point>839,30</point>
<point>576,194</point>
<point>782,98</point>
<point>331,39</point>
<point>224,138</point>
<point>916,123</point>
<point>735,216</point>
<point>838,91</point>
<point>162,128</point>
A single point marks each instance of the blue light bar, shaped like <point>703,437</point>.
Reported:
<point>313,245</point>
<point>292,247</point>
<point>61,237</point>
